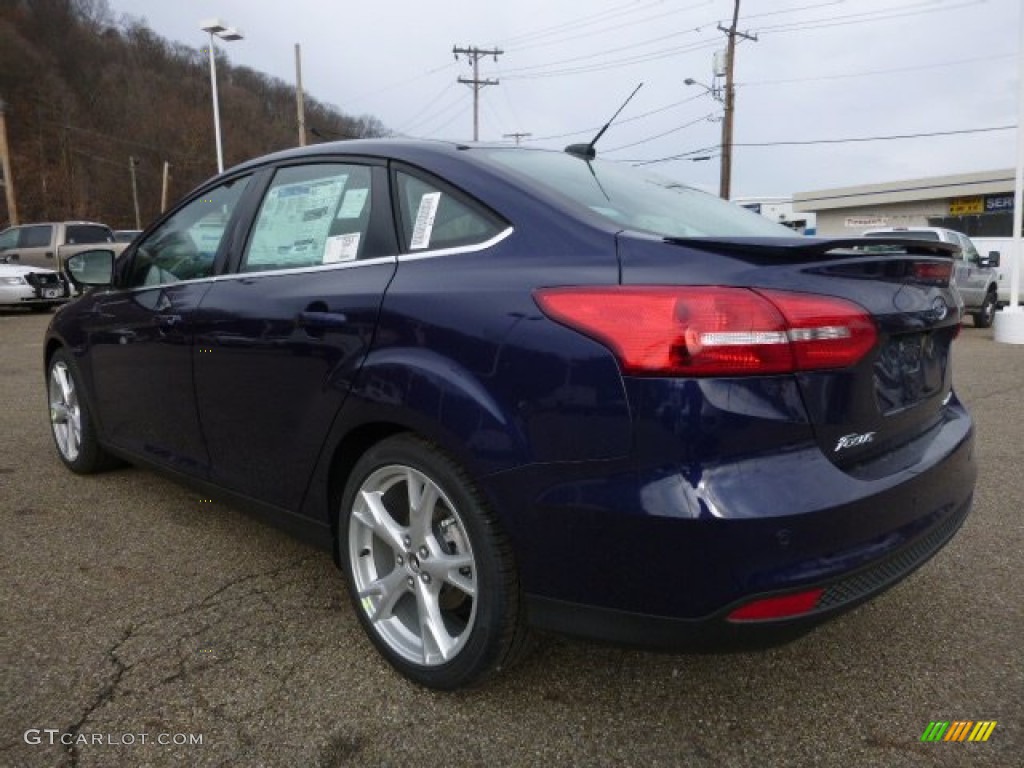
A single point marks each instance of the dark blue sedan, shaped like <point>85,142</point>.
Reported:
<point>514,388</point>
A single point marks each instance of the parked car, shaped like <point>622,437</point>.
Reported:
<point>515,388</point>
<point>48,245</point>
<point>36,288</point>
<point>975,276</point>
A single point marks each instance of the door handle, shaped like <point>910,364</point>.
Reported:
<point>309,319</point>
<point>167,321</point>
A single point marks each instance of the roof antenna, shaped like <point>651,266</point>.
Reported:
<point>586,151</point>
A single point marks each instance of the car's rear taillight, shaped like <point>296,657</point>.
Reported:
<point>932,272</point>
<point>714,331</point>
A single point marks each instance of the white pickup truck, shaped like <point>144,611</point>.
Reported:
<point>51,243</point>
<point>975,276</point>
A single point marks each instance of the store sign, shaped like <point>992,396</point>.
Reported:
<point>861,222</point>
<point>998,203</point>
<point>965,206</point>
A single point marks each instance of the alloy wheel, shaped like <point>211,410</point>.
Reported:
<point>412,564</point>
<point>65,411</point>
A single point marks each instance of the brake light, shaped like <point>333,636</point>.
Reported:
<point>714,331</point>
<point>781,607</point>
<point>931,271</point>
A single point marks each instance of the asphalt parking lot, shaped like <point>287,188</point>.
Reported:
<point>132,612</point>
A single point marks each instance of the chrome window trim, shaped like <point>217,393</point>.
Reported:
<point>475,248</point>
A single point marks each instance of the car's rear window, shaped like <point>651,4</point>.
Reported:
<point>633,198</point>
<point>77,234</point>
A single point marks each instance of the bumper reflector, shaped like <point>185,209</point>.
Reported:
<point>781,607</point>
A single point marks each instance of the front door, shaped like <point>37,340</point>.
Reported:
<point>141,334</point>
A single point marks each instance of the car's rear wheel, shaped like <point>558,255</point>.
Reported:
<point>984,317</point>
<point>429,571</point>
<point>70,420</point>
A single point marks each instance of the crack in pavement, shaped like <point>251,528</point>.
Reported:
<point>105,694</point>
<point>109,690</point>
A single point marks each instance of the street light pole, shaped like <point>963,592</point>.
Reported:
<point>220,29</point>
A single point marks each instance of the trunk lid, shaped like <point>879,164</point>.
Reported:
<point>893,394</point>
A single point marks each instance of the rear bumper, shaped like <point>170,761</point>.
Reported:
<point>716,633</point>
<point>659,557</point>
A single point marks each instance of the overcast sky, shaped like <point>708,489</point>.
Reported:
<point>819,70</point>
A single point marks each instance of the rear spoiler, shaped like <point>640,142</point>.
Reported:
<point>803,248</point>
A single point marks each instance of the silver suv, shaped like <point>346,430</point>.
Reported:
<point>974,275</point>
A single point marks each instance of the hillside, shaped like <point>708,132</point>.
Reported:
<point>85,91</point>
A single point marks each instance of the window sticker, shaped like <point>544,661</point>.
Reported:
<point>425,220</point>
<point>353,203</point>
<point>342,248</point>
<point>294,222</point>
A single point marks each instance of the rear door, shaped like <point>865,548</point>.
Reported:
<point>279,342</point>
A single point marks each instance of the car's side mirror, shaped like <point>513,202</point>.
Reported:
<point>992,260</point>
<point>95,267</point>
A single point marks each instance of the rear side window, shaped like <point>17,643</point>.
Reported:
<point>78,234</point>
<point>38,236</point>
<point>433,218</point>
<point>311,215</point>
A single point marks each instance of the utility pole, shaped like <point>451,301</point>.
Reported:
<point>300,105</point>
<point>516,136</point>
<point>5,163</point>
<point>163,187</point>
<point>135,191</point>
<point>725,181</point>
<point>474,54</point>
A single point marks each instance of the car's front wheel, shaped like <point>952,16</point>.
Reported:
<point>983,317</point>
<point>429,571</point>
<point>70,420</point>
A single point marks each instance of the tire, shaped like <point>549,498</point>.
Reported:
<point>71,423</point>
<point>984,317</point>
<point>437,592</point>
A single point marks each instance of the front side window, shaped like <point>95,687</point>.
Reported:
<point>38,236</point>
<point>184,246</point>
<point>434,218</point>
<point>312,215</point>
<point>9,238</point>
<point>969,251</point>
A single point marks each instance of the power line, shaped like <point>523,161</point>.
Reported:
<point>616,27</point>
<point>849,140</point>
<point>867,73</point>
<point>623,121</point>
<point>678,128</point>
<point>900,12</point>
<point>620,10</point>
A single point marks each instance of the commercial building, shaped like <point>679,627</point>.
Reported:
<point>978,204</point>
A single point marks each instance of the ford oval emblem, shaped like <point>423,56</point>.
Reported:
<point>938,310</point>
